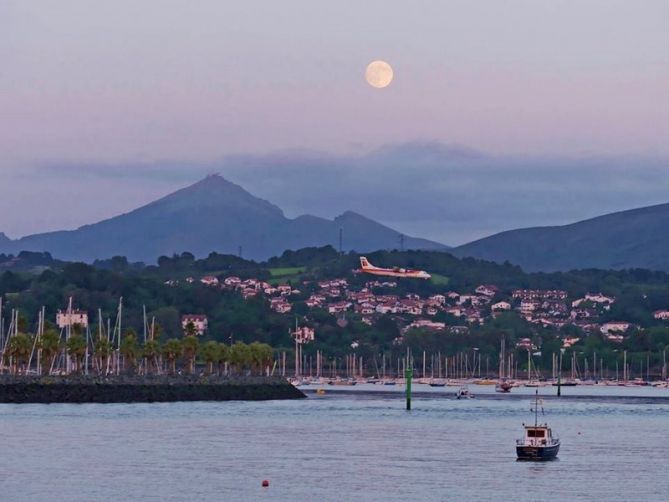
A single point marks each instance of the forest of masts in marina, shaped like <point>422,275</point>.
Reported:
<point>468,365</point>
<point>74,350</point>
<point>65,359</point>
<point>100,354</point>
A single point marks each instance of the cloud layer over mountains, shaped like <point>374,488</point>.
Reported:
<point>447,193</point>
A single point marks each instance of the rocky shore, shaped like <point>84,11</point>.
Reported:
<point>145,389</point>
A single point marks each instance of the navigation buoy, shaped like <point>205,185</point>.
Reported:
<point>265,483</point>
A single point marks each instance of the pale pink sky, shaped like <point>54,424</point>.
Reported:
<point>129,82</point>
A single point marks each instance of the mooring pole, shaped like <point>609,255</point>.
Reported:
<point>559,382</point>
<point>408,374</point>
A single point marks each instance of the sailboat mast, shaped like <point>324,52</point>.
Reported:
<point>68,334</point>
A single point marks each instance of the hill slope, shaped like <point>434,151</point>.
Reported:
<point>636,238</point>
<point>211,215</point>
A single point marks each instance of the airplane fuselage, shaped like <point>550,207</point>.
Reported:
<point>416,274</point>
<point>368,268</point>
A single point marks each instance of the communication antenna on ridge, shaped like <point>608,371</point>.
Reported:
<point>341,240</point>
<point>401,239</point>
<point>239,251</point>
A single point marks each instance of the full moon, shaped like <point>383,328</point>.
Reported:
<point>379,74</point>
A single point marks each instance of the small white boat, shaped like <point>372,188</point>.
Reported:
<point>463,393</point>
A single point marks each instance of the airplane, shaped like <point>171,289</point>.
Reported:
<point>368,268</point>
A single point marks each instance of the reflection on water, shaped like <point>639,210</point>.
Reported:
<point>333,447</point>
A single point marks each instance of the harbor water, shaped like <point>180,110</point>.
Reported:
<point>339,446</point>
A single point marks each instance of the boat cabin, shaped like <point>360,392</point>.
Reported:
<point>538,435</point>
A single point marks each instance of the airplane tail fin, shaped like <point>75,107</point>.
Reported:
<point>364,263</point>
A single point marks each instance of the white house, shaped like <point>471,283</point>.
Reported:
<point>661,314</point>
<point>619,326</point>
<point>500,306</point>
<point>209,280</point>
<point>595,298</point>
<point>232,281</point>
<point>487,290</point>
<point>284,289</point>
<point>464,298</point>
<point>304,334</point>
<point>599,298</point>
<point>426,324</point>
<point>386,308</point>
<point>528,306</point>
<point>75,317</point>
<point>456,311</point>
<point>280,305</point>
<point>338,307</point>
<point>438,299</point>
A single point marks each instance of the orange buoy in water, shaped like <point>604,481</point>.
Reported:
<point>265,483</point>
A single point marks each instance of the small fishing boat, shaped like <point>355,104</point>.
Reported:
<point>538,444</point>
<point>463,393</point>
<point>435,382</point>
<point>503,386</point>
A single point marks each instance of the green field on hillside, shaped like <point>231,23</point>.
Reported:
<point>284,271</point>
<point>281,275</point>
<point>439,280</point>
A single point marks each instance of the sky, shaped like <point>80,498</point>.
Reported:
<point>501,114</point>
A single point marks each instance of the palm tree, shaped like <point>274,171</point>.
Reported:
<point>103,351</point>
<point>223,356</point>
<point>210,352</point>
<point>239,356</point>
<point>76,349</point>
<point>130,350</point>
<point>172,350</point>
<point>150,352</point>
<point>50,346</point>
<point>260,355</point>
<point>190,329</point>
<point>190,345</point>
<point>19,349</point>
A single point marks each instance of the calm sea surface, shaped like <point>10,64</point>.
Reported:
<point>337,447</point>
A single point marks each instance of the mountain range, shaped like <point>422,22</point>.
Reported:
<point>636,238</point>
<point>213,214</point>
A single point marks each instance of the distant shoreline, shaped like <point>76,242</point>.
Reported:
<point>449,393</point>
<point>144,389</point>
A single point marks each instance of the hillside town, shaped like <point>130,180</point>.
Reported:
<point>448,312</point>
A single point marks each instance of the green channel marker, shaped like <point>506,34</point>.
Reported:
<point>408,374</point>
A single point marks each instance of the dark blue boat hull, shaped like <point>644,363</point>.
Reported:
<point>539,453</point>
